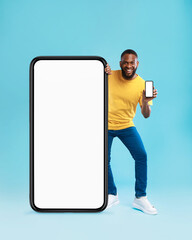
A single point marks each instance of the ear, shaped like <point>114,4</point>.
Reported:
<point>137,64</point>
<point>120,63</point>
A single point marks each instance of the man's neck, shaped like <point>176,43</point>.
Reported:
<point>135,75</point>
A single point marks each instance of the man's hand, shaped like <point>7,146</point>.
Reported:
<point>108,69</point>
<point>147,99</point>
<point>145,109</point>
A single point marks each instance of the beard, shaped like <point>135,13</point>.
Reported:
<point>128,77</point>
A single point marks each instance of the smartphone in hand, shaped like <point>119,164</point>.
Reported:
<point>149,88</point>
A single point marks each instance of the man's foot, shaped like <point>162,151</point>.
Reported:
<point>144,205</point>
<point>112,200</point>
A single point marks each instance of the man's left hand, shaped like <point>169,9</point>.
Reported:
<point>147,99</point>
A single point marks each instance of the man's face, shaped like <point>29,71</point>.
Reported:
<point>129,65</point>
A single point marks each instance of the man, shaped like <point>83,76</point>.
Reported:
<point>126,90</point>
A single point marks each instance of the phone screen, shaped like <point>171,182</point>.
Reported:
<point>68,134</point>
<point>149,88</point>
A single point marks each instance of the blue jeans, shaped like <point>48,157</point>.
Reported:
<point>132,140</point>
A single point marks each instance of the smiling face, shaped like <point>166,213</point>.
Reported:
<point>129,64</point>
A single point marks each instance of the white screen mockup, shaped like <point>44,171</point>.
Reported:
<point>149,88</point>
<point>68,134</point>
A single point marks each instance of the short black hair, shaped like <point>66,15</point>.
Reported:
<point>129,51</point>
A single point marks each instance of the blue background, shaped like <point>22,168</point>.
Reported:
<point>160,32</point>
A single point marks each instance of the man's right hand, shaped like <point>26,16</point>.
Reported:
<point>108,69</point>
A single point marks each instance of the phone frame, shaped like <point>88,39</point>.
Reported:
<point>31,133</point>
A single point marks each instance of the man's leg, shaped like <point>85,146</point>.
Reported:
<point>132,140</point>
<point>111,185</point>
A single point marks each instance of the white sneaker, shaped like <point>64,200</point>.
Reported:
<point>144,205</point>
<point>112,200</point>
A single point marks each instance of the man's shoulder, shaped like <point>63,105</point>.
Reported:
<point>114,74</point>
<point>115,71</point>
<point>140,79</point>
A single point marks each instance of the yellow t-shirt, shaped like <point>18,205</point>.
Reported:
<point>123,97</point>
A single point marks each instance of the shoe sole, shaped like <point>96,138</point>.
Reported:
<point>143,210</point>
<point>112,204</point>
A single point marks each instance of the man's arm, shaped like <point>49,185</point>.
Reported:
<point>145,108</point>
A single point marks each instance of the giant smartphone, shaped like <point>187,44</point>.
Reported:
<point>68,134</point>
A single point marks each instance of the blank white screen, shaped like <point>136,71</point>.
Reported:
<point>149,88</point>
<point>68,134</point>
